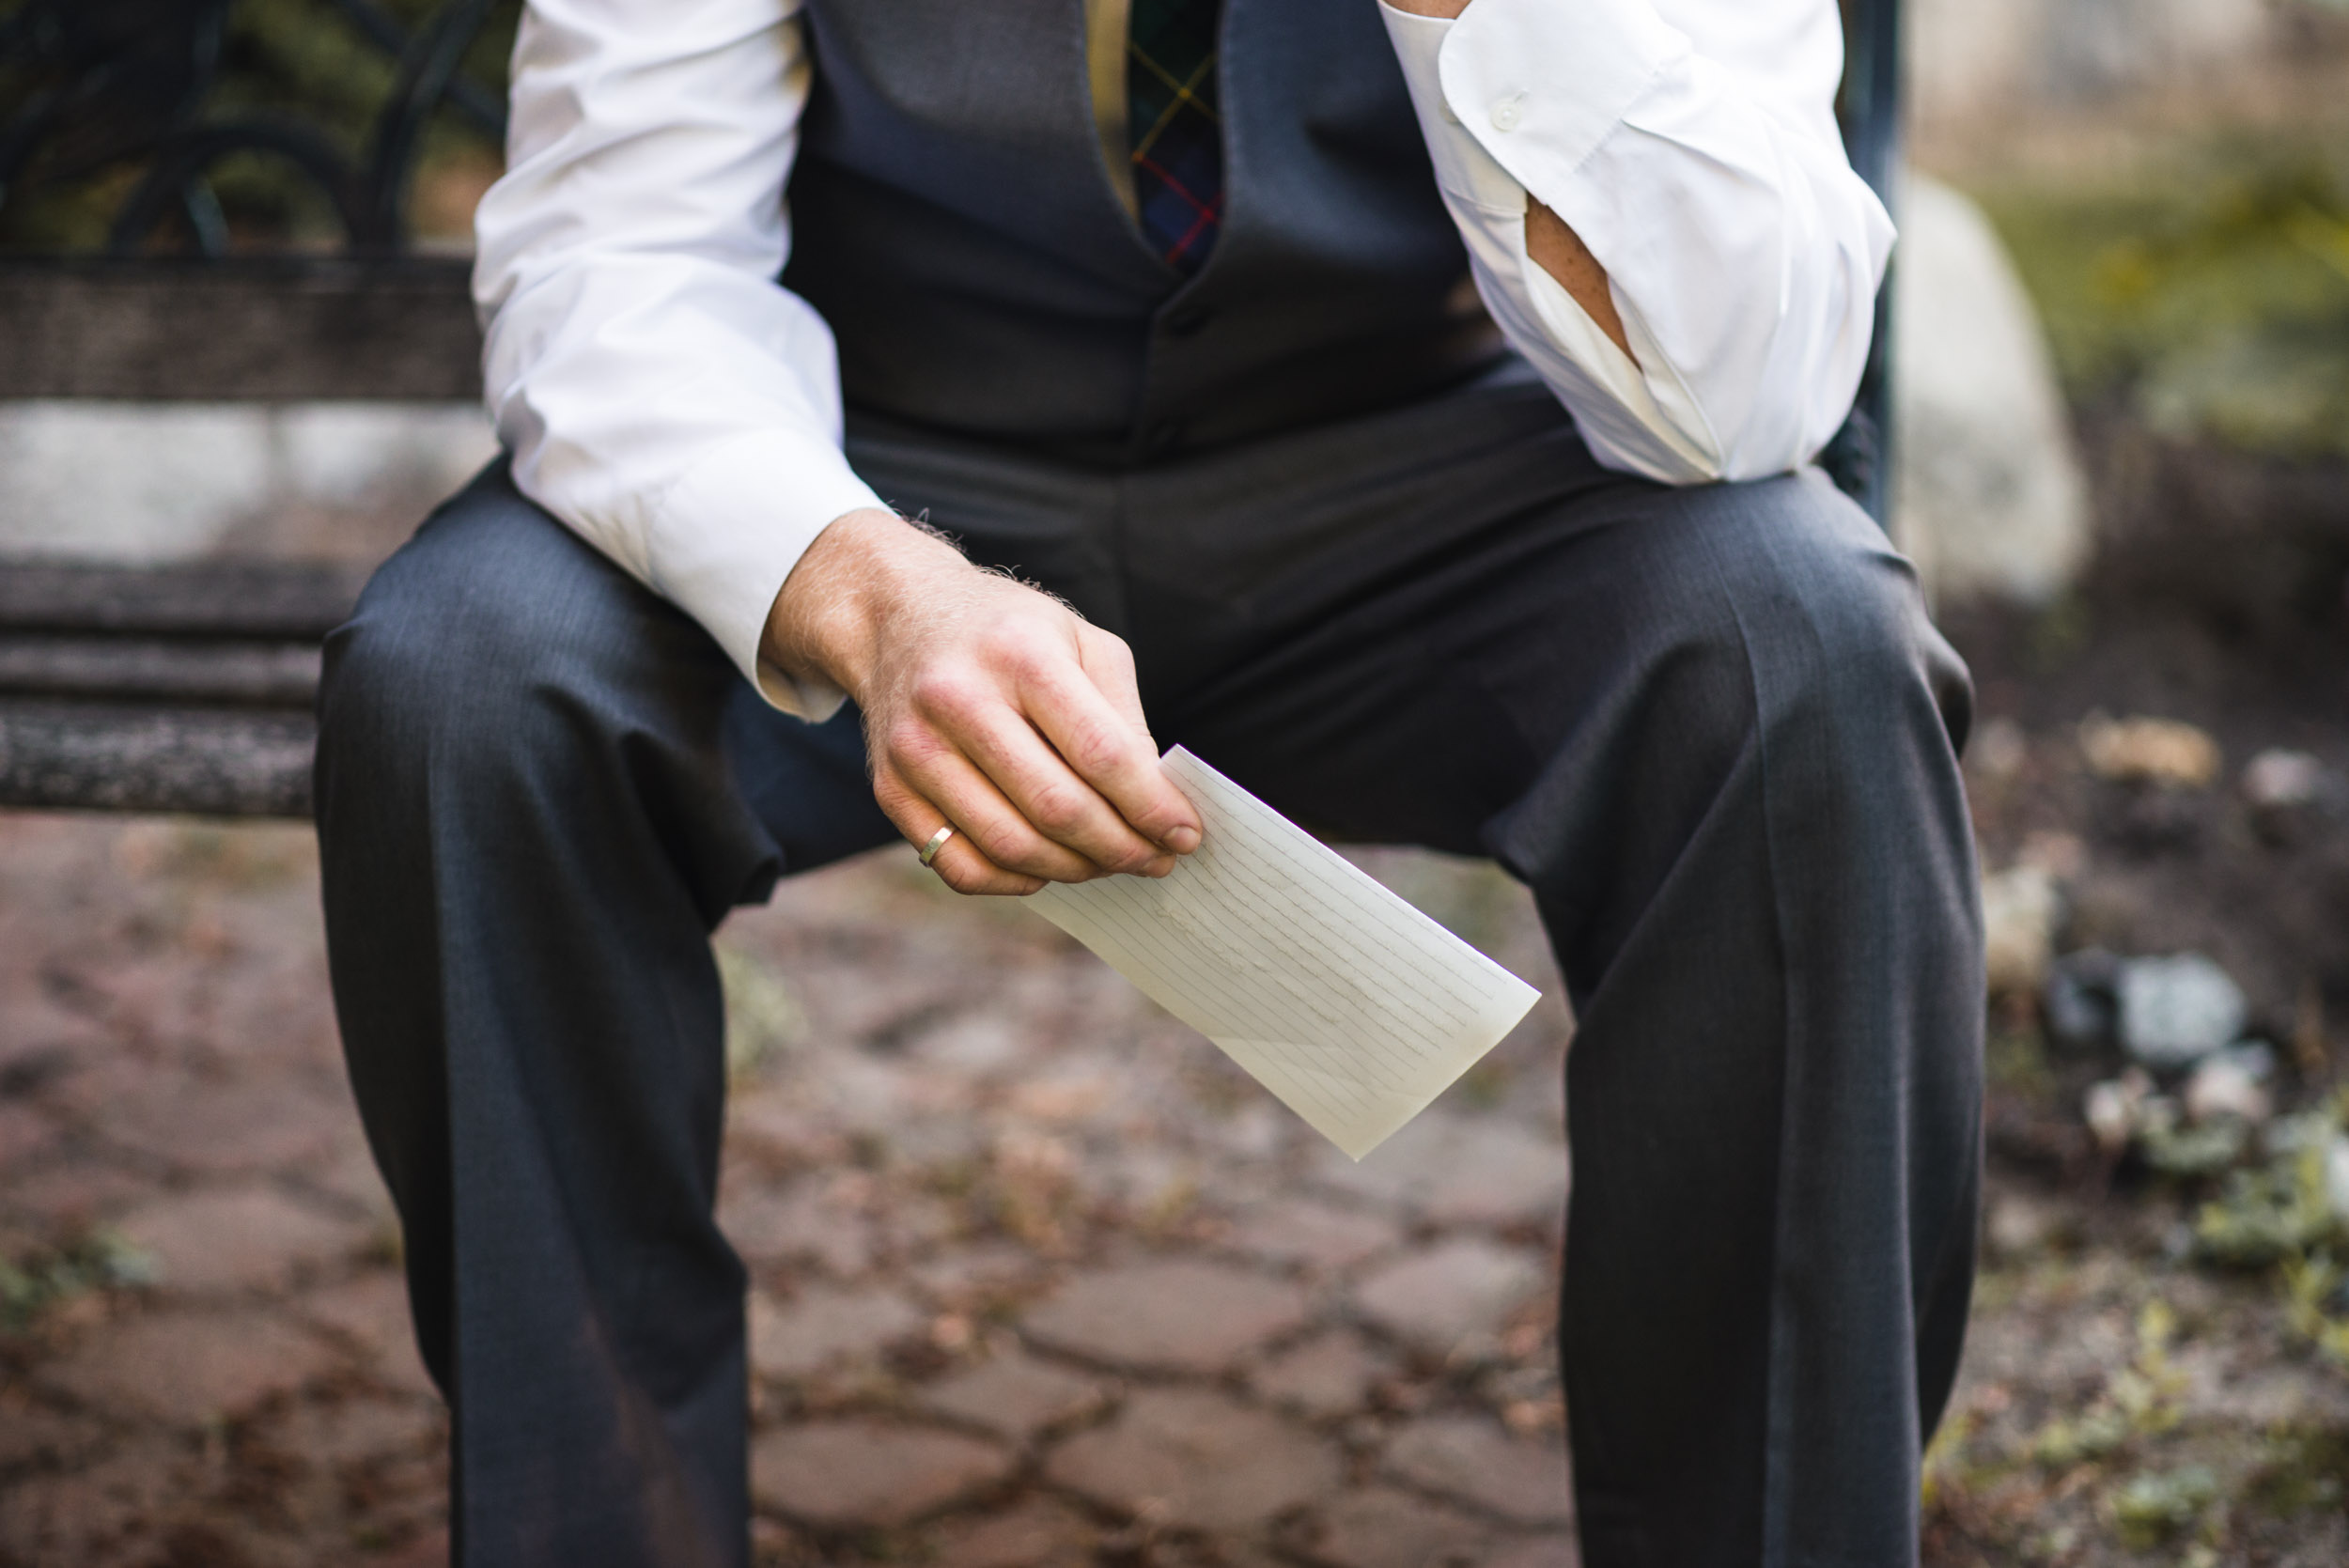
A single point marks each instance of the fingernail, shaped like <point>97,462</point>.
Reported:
<point>1183,840</point>
<point>1159,867</point>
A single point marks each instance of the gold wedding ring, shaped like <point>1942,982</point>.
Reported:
<point>938,841</point>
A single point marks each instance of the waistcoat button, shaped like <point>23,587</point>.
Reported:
<point>1166,435</point>
<point>1186,320</point>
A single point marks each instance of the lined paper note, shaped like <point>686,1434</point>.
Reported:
<point>1347,1004</point>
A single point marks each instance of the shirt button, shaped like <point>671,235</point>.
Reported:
<point>1508,111</point>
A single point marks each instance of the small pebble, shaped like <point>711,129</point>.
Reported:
<point>2223,1086</point>
<point>2176,1011</point>
<point>2149,750</point>
<point>2277,779</point>
<point>2112,1107</point>
<point>2019,907</point>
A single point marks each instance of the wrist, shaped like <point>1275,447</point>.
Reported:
<point>832,614</point>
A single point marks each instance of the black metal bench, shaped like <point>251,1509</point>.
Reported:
<point>189,688</point>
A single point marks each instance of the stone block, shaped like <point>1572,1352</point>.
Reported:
<point>1015,1395</point>
<point>370,1312</point>
<point>1473,1462</point>
<point>1176,1314</point>
<point>1329,1376</point>
<point>187,1369</point>
<point>823,1325</point>
<point>1455,1289</point>
<point>1385,1528</point>
<point>1458,1169</point>
<point>863,1474</point>
<point>1190,1459</point>
<point>1036,1533</point>
<point>1315,1235</point>
<point>252,1238</point>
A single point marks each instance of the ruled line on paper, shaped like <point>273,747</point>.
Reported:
<point>1352,1007</point>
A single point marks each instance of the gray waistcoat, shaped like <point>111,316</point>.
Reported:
<point>952,221</point>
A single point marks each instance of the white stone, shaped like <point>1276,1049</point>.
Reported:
<point>2176,1011</point>
<point>2277,780</point>
<point>2223,1086</point>
<point>1988,497</point>
<point>2019,907</point>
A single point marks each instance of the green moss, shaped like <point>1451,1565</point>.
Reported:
<point>2153,1509</point>
<point>2211,293</point>
<point>32,1283</point>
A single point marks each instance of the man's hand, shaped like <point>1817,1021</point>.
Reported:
<point>988,707</point>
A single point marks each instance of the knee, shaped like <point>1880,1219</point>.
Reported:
<point>1831,624</point>
<point>461,645</point>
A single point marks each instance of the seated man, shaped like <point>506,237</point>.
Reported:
<point>1167,317</point>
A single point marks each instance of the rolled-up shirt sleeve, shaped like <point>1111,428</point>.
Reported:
<point>1692,145</point>
<point>660,392</point>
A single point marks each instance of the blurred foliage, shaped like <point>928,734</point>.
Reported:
<point>2141,1400</point>
<point>31,1284</point>
<point>299,60</point>
<point>2211,293</point>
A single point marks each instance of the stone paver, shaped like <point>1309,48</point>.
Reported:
<point>25,1135</point>
<point>1189,1458</point>
<point>110,1513</point>
<point>1037,1534</point>
<point>186,1369</point>
<point>1454,1290</point>
<point>803,1221</point>
<point>965,1355</point>
<point>248,1238</point>
<point>1458,1168</point>
<point>1299,1231</point>
<point>1472,1460</point>
<point>370,1310</point>
<point>1536,1551</point>
<point>1015,1395</point>
<point>856,1473</point>
<point>1330,1375</point>
<point>209,1126</point>
<point>1383,1528</point>
<point>823,1325</point>
<point>1173,1314</point>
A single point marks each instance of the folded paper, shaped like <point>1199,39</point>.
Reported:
<point>1352,1006</point>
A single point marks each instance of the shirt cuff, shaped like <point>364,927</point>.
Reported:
<point>728,533</point>
<point>1539,85</point>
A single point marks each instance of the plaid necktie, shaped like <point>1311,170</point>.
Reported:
<point>1176,133</point>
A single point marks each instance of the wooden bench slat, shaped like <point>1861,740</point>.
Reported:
<point>249,599</point>
<point>216,762</point>
<point>156,669</point>
<point>270,330</point>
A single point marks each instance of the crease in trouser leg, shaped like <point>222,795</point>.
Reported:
<point>1753,854</point>
<point>519,877</point>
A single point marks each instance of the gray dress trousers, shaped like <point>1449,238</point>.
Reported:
<point>1711,729</point>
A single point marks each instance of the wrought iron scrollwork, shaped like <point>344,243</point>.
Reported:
<point>111,83</point>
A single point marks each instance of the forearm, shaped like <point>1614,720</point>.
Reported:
<point>1548,242</point>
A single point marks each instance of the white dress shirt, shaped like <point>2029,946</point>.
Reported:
<point>665,397</point>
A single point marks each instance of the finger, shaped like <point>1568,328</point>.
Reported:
<point>959,864</point>
<point>1110,753</point>
<point>1109,663</point>
<point>980,811</point>
<point>1049,795</point>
